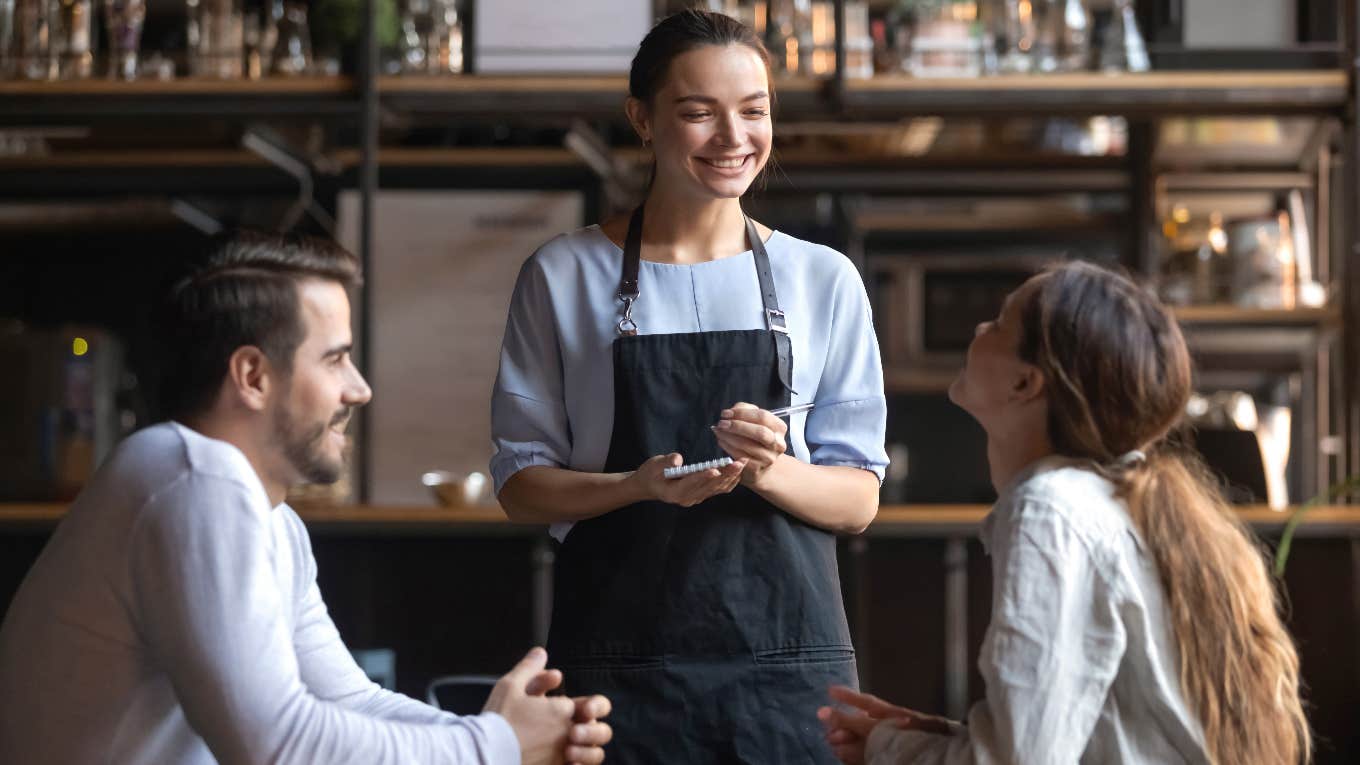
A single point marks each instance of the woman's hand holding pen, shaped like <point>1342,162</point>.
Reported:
<point>689,490</point>
<point>752,435</point>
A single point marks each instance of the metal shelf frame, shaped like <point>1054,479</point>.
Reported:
<point>357,104</point>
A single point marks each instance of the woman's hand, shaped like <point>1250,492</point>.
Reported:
<point>847,731</point>
<point>751,434</point>
<point>686,491</point>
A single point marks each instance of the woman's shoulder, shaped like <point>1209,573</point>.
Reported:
<point>586,240</point>
<point>1070,494</point>
<point>811,259</point>
<point>583,244</point>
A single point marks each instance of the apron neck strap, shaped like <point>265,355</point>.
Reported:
<point>632,257</point>
<point>774,318</point>
<point>632,254</point>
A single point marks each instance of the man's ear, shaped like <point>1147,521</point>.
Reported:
<point>250,377</point>
<point>639,118</point>
<point>1028,385</point>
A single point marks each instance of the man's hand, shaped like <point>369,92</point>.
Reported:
<point>540,722</point>
<point>588,735</point>
<point>686,491</point>
<point>752,435</point>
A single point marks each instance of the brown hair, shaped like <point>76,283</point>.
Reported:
<point>1118,377</point>
<point>681,33</point>
<point>243,292</point>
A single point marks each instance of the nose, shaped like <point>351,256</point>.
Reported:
<point>356,392</point>
<point>730,131</point>
<point>978,329</point>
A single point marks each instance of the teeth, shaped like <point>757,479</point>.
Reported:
<point>727,163</point>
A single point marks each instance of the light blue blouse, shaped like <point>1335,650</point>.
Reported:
<point>553,402</point>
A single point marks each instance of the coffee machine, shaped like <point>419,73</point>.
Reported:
<point>63,405</point>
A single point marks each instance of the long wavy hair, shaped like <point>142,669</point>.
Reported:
<point>1118,377</point>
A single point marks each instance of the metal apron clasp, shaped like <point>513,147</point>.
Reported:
<point>626,326</point>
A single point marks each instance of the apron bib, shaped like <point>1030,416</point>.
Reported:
<point>715,629</point>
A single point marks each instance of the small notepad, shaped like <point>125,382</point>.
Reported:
<point>683,470</point>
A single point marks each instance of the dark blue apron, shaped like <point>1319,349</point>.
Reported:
<point>716,629</point>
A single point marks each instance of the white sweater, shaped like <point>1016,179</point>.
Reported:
<point>174,617</point>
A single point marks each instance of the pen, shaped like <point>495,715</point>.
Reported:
<point>785,411</point>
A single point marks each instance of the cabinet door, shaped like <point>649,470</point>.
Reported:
<point>444,264</point>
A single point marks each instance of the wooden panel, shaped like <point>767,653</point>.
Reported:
<point>178,87</point>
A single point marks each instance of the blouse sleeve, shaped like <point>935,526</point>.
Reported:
<point>528,411</point>
<point>849,424</point>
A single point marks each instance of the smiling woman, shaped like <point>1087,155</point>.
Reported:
<point>707,606</point>
<point>705,110</point>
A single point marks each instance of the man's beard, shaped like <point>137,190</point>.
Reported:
<point>305,449</point>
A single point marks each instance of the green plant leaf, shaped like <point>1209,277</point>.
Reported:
<point>1343,489</point>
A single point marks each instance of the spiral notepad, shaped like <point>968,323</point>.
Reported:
<point>683,470</point>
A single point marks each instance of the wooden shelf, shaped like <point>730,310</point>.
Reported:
<point>569,96</point>
<point>892,96</point>
<point>136,158</point>
<point>1185,92</point>
<point>917,378</point>
<point>507,96</point>
<point>528,157</point>
<point>44,102</point>
<point>1230,315</point>
<point>892,521</point>
<point>277,86</point>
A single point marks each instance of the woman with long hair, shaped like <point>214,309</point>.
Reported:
<point>1133,618</point>
<point>707,607</point>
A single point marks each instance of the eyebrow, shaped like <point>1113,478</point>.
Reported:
<point>338,350</point>
<point>756,96</point>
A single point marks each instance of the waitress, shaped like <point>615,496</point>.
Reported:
<point>707,607</point>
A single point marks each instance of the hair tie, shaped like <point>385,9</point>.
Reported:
<point>1130,458</point>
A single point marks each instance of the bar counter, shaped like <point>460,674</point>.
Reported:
<point>463,590</point>
<point>943,520</point>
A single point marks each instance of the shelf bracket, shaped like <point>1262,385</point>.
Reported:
<point>624,184</point>
<point>272,148</point>
<point>194,215</point>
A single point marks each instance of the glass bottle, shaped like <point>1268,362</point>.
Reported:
<point>293,48</point>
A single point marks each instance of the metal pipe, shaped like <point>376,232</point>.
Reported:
<point>838,76</point>
<point>956,628</point>
<point>1350,265</point>
<point>368,186</point>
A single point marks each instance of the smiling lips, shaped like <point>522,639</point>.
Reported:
<point>726,163</point>
<point>340,423</point>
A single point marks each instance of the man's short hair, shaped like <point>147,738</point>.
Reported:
<point>243,292</point>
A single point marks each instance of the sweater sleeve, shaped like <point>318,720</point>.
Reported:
<point>326,666</point>
<point>212,611</point>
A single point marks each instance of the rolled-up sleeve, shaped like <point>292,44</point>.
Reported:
<point>850,421</point>
<point>528,415</point>
<point>1049,658</point>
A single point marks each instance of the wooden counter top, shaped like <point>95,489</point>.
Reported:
<point>892,521</point>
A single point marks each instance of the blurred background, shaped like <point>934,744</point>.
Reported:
<point>949,148</point>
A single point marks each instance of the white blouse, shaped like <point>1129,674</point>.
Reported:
<point>1079,660</point>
